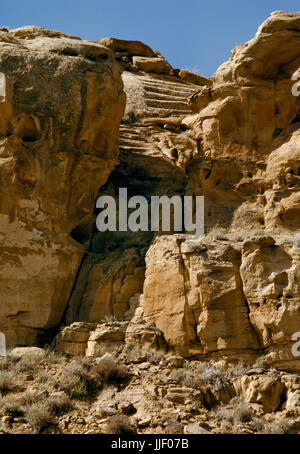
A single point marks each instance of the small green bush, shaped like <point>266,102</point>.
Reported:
<point>10,406</point>
<point>38,416</point>
<point>7,380</point>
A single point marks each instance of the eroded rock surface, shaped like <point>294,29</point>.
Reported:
<point>60,108</point>
<point>233,139</point>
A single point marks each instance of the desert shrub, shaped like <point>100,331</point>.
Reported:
<point>221,237</point>
<point>82,377</point>
<point>237,371</point>
<point>223,414</point>
<point>120,425</point>
<point>79,367</point>
<point>74,378</point>
<point>75,387</point>
<point>261,362</point>
<point>213,376</point>
<point>28,398</point>
<point>8,361</point>
<point>258,425</point>
<point>10,406</point>
<point>58,403</point>
<point>109,319</point>
<point>281,427</point>
<point>218,234</point>
<point>28,365</point>
<point>44,378</point>
<point>155,356</point>
<point>38,416</point>
<point>7,380</point>
<point>53,357</point>
<point>243,413</point>
<point>133,354</point>
<point>172,426</point>
<point>108,373</point>
<point>238,237</point>
<point>186,378</point>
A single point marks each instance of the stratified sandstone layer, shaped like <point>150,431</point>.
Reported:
<point>233,139</point>
<point>61,102</point>
<point>238,289</point>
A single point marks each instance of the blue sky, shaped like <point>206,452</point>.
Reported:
<point>191,34</point>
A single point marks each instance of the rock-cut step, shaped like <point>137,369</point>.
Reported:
<point>167,104</point>
<point>165,97</point>
<point>169,84</point>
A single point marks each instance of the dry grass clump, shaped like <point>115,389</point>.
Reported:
<point>39,416</point>
<point>210,374</point>
<point>237,371</point>
<point>45,378</point>
<point>242,412</point>
<point>224,415</point>
<point>218,233</point>
<point>28,398</point>
<point>280,427</point>
<point>261,362</point>
<point>102,374</point>
<point>38,409</point>
<point>58,403</point>
<point>172,426</point>
<point>10,406</point>
<point>8,361</point>
<point>82,377</point>
<point>74,379</point>
<point>120,425</point>
<point>53,357</point>
<point>7,381</point>
<point>186,378</point>
<point>27,365</point>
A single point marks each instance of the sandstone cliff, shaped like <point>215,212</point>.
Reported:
<point>61,103</point>
<point>233,138</point>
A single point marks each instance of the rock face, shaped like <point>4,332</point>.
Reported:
<point>154,151</point>
<point>233,138</point>
<point>200,304</point>
<point>237,290</point>
<point>60,107</point>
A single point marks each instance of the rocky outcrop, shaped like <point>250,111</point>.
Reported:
<point>154,151</point>
<point>61,103</point>
<point>251,101</point>
<point>236,290</point>
<point>233,139</point>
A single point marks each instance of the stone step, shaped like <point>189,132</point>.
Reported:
<point>169,91</point>
<point>164,96</point>
<point>165,113</point>
<point>169,84</point>
<point>167,104</point>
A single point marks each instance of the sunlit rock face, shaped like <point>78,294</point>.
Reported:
<point>61,101</point>
<point>208,300</point>
<point>232,138</point>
